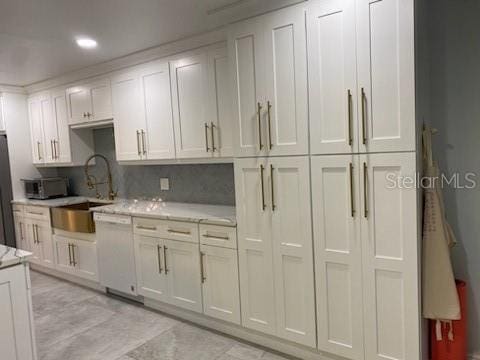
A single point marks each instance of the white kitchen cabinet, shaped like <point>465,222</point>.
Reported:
<point>221,293</point>
<point>20,232</point>
<point>149,262</point>
<point>190,106</point>
<point>143,113</point>
<point>220,103</point>
<point>36,105</point>
<point>269,68</point>
<point>16,327</point>
<point>292,248</point>
<point>182,267</point>
<point>60,132</point>
<point>390,256</point>
<point>255,246</point>
<point>332,77</point>
<point>89,102</point>
<point>39,237</point>
<point>63,255</point>
<point>338,254</point>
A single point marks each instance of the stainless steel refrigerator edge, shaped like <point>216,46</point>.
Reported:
<point>7,232</point>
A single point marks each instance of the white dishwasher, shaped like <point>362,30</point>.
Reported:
<point>116,254</point>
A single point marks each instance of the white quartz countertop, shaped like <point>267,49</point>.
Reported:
<point>53,202</point>
<point>211,214</point>
<point>10,256</point>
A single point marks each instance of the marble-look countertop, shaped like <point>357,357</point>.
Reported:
<point>208,214</point>
<point>54,202</point>
<point>10,256</point>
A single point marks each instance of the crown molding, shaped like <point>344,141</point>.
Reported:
<point>12,89</point>
<point>157,52</point>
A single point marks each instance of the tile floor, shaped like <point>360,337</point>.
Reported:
<point>75,323</point>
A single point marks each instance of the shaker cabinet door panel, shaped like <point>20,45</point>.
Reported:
<point>79,104</point>
<point>386,75</point>
<point>332,76</point>
<point>336,221</point>
<point>61,145</point>
<point>36,129</point>
<point>286,96</point>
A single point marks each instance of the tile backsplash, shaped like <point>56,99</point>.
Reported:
<point>199,183</point>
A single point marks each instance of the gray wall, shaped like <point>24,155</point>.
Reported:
<point>203,183</point>
<point>454,47</point>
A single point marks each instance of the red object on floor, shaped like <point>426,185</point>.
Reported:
<point>456,349</point>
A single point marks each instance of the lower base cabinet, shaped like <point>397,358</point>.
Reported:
<point>221,294</point>
<point>76,257</point>
<point>39,238</point>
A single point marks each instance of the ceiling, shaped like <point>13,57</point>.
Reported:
<point>37,37</point>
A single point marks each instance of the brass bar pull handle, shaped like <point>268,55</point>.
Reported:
<point>259,117</point>
<point>69,254</point>
<point>272,187</point>
<point>21,231</point>
<point>38,150</point>
<point>269,107</point>
<point>365,190</point>
<point>142,227</point>
<point>352,201</point>
<point>144,146</point>
<point>55,142</point>
<point>74,261</point>
<point>364,118</point>
<point>138,143</point>
<point>206,138</point>
<point>33,233</point>
<point>34,213</point>
<point>349,104</point>
<point>159,249</point>
<point>51,149</point>
<point>262,187</point>
<point>202,270</point>
<point>165,259</point>
<point>212,133</point>
<point>181,232</point>
<point>216,237</point>
<point>36,234</point>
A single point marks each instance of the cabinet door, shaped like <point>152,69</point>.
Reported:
<point>289,185</point>
<point>386,74</point>
<point>158,133</point>
<point>44,241</point>
<point>101,100</point>
<point>182,265</point>
<point>221,294</point>
<point>129,116</point>
<point>20,233</point>
<point>79,103</point>
<point>151,276</point>
<point>286,95</point>
<point>49,128</point>
<point>255,245</point>
<point>190,106</point>
<point>332,77</point>
<point>18,342</point>
<point>84,256</point>
<point>63,254</point>
<point>245,46</point>
<point>36,129</point>
<point>338,254</point>
<point>220,103</point>
<point>31,238</point>
<point>390,259</point>
<point>61,146</point>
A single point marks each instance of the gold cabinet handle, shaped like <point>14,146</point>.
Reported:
<point>259,117</point>
<point>207,149</point>
<point>144,146</point>
<point>212,132</point>
<point>38,150</point>
<point>51,149</point>
<point>84,114</point>
<point>36,234</point>
<point>215,237</point>
<point>142,227</point>
<point>33,234</point>
<point>34,213</point>
<point>364,118</point>
<point>55,142</point>
<point>181,232</point>
<point>272,187</point>
<point>138,143</point>
<point>262,187</point>
<point>159,249</point>
<point>69,254</point>
<point>349,105</point>
<point>352,201</point>
<point>202,270</point>
<point>22,238</point>
<point>165,259</point>
<point>74,261</point>
<point>365,188</point>
<point>269,107</point>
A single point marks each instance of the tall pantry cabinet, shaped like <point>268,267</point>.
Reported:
<point>319,182</point>
<point>362,135</point>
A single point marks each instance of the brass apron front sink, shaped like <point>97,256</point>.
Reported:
<point>75,217</point>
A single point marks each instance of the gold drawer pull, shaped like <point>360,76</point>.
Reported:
<point>182,232</point>
<point>34,213</point>
<point>216,237</point>
<point>150,228</point>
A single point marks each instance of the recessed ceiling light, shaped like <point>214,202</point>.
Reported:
<point>86,43</point>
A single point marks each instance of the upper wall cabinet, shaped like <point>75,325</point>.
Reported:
<point>53,143</point>
<point>362,91</point>
<point>89,102</point>
<point>143,113</point>
<point>269,69</point>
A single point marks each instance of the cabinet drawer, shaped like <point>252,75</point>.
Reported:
<point>166,229</point>
<point>18,210</point>
<point>222,236</point>
<point>37,213</point>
